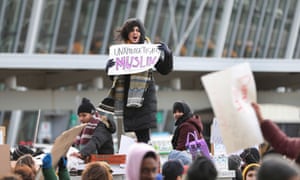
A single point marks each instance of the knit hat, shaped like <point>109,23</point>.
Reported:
<point>106,106</point>
<point>183,156</point>
<point>20,151</point>
<point>181,107</point>
<point>250,155</point>
<point>252,166</point>
<point>172,168</point>
<point>86,106</point>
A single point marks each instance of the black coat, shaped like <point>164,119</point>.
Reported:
<point>101,141</point>
<point>145,116</point>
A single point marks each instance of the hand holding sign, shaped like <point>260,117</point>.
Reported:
<point>110,63</point>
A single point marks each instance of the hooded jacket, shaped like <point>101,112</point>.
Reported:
<point>101,141</point>
<point>134,160</point>
<point>185,124</point>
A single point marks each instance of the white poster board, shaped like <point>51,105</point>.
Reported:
<point>125,144</point>
<point>133,58</point>
<point>231,92</point>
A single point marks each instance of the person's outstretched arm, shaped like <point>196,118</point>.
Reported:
<point>289,146</point>
<point>47,169</point>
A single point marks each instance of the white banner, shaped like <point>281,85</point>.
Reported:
<point>230,93</point>
<point>133,58</point>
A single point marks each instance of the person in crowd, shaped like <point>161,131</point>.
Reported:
<point>49,172</point>
<point>183,156</point>
<point>202,168</point>
<point>96,137</point>
<point>97,170</point>
<point>276,167</point>
<point>26,160</point>
<point>142,162</point>
<point>25,172</point>
<point>132,97</point>
<point>234,163</point>
<point>186,123</point>
<point>250,171</point>
<point>172,170</point>
<point>281,143</point>
<point>249,156</point>
<point>10,176</point>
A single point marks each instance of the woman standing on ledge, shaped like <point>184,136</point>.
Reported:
<point>132,98</point>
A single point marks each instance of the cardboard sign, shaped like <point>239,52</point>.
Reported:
<point>230,93</point>
<point>133,58</point>
<point>5,166</point>
<point>63,142</point>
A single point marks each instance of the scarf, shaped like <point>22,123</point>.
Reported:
<point>119,97</point>
<point>86,134</point>
<point>137,87</point>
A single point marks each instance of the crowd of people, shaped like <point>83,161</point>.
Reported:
<point>132,100</point>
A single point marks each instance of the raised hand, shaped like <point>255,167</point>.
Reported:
<point>47,161</point>
<point>163,47</point>
<point>110,63</point>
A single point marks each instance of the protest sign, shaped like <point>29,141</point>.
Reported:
<point>5,166</point>
<point>231,92</point>
<point>63,142</point>
<point>133,58</point>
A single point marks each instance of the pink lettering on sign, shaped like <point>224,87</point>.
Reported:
<point>129,62</point>
<point>240,93</point>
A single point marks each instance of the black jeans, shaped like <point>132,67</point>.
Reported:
<point>143,135</point>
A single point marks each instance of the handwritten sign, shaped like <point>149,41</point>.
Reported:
<point>231,92</point>
<point>133,58</point>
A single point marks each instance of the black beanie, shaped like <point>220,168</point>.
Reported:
<point>250,155</point>
<point>86,106</point>
<point>178,106</point>
<point>181,107</point>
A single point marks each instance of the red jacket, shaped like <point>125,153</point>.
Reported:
<point>190,125</point>
<point>289,146</point>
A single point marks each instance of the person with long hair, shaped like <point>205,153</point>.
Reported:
<point>132,97</point>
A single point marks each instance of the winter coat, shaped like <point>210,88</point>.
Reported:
<point>145,116</point>
<point>289,146</point>
<point>185,124</point>
<point>101,141</point>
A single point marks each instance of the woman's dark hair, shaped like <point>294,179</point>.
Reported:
<point>202,168</point>
<point>128,27</point>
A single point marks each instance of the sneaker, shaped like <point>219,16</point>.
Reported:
<point>107,105</point>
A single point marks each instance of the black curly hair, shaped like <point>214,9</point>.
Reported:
<point>128,27</point>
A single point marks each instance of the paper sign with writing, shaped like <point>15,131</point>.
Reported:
<point>133,58</point>
<point>231,92</point>
<point>216,137</point>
